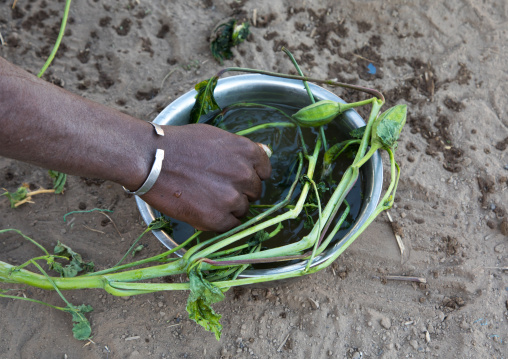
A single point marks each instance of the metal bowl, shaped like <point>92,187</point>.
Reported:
<point>261,88</point>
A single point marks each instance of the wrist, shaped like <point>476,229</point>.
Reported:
<point>156,169</point>
<point>137,158</point>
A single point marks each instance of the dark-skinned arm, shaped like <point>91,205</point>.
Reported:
<point>208,175</point>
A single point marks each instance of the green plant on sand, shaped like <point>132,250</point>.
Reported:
<point>213,265</point>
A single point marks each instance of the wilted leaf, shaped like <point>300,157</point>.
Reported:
<point>75,265</point>
<point>59,180</point>
<point>202,295</point>
<point>81,326</point>
<point>224,36</point>
<point>20,194</point>
<point>205,102</point>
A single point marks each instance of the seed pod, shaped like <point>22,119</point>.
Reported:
<point>318,114</point>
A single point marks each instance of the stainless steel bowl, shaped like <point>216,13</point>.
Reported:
<point>260,88</point>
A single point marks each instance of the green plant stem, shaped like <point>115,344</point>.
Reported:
<point>156,258</point>
<point>58,39</point>
<point>348,106</point>
<point>376,106</point>
<point>27,263</point>
<point>309,92</point>
<point>336,228</point>
<point>316,244</point>
<point>132,246</point>
<point>52,283</point>
<point>251,104</point>
<point>246,245</point>
<point>291,214</point>
<point>250,222</point>
<point>32,300</point>
<point>27,238</point>
<point>264,126</point>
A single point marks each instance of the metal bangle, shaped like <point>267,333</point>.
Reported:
<point>156,167</point>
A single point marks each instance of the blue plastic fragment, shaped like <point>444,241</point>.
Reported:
<point>371,69</point>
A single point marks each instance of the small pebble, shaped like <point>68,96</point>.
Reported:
<point>499,248</point>
<point>386,323</point>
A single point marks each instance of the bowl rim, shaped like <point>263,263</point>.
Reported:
<point>255,81</point>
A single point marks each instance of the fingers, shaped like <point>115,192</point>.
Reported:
<point>262,165</point>
<point>265,148</point>
<point>255,189</point>
<point>242,207</point>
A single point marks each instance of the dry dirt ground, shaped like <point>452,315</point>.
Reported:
<point>445,59</point>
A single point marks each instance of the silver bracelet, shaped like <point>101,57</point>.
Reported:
<point>156,168</point>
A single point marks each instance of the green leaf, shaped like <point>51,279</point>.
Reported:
<point>358,132</point>
<point>331,155</point>
<point>59,180</point>
<point>137,249</point>
<point>17,196</point>
<point>224,36</point>
<point>240,33</point>
<point>161,224</point>
<point>260,236</point>
<point>81,328</point>
<point>75,265</point>
<point>202,295</point>
<point>205,102</point>
<point>387,128</point>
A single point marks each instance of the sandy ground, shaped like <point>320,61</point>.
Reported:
<point>446,60</point>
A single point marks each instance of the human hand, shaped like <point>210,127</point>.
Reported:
<point>208,176</point>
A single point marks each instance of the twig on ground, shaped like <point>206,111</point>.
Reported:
<point>114,225</point>
<point>132,338</point>
<point>366,59</point>
<point>93,230</point>
<point>284,341</point>
<point>166,77</point>
<point>402,248</point>
<point>29,195</point>
<point>14,4</point>
<point>402,278</point>
<point>2,39</point>
<point>255,17</point>
<point>90,341</point>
